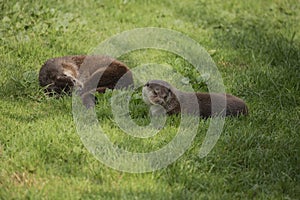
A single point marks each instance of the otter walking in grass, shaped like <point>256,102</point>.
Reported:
<point>60,75</point>
<point>174,101</point>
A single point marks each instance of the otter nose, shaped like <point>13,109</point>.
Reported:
<point>147,84</point>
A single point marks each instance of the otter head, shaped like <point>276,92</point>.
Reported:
<point>59,77</point>
<point>157,92</point>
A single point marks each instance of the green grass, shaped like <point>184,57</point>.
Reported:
<point>256,46</point>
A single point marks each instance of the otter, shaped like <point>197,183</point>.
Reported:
<point>174,101</point>
<point>60,75</point>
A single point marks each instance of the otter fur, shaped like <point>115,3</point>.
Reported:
<point>60,75</point>
<point>174,101</point>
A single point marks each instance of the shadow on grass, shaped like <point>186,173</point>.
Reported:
<point>269,34</point>
<point>272,48</point>
<point>274,73</point>
<point>272,77</point>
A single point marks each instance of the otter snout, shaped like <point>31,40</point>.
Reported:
<point>154,94</point>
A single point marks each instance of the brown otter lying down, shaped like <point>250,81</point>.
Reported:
<point>60,75</point>
<point>157,92</point>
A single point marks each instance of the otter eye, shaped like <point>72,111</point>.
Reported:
<point>147,84</point>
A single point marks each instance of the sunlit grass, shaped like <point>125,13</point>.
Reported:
<point>256,48</point>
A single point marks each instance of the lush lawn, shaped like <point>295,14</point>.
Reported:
<point>256,46</point>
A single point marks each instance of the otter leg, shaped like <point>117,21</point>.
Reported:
<point>88,100</point>
<point>101,89</point>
